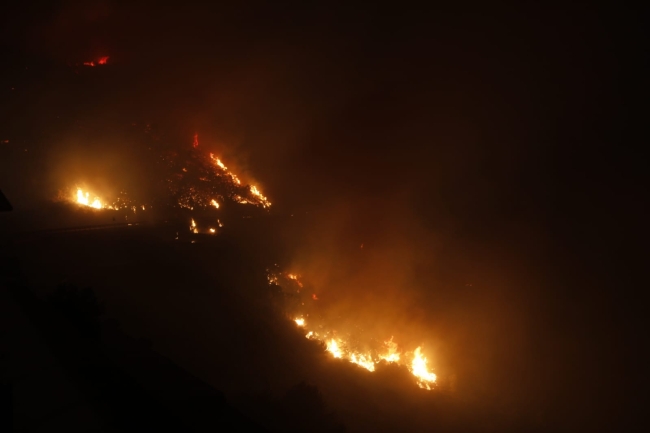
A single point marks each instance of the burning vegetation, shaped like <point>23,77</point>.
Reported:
<point>346,345</point>
<point>193,180</point>
<point>199,183</point>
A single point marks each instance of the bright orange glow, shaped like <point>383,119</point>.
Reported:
<point>333,348</point>
<point>391,355</point>
<point>213,230</point>
<point>261,199</point>
<point>345,346</point>
<point>193,227</point>
<point>89,63</point>
<point>214,203</point>
<point>195,144</point>
<point>419,370</point>
<point>265,202</point>
<point>295,278</point>
<point>362,361</point>
<point>85,200</point>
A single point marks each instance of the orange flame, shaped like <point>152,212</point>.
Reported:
<point>419,370</point>
<point>391,355</point>
<point>340,347</point>
<point>84,200</point>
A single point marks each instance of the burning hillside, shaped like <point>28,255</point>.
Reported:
<point>193,180</point>
<point>367,352</point>
<point>199,183</point>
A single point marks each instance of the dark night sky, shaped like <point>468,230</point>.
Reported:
<point>498,138</point>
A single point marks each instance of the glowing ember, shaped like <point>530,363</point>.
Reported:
<point>214,203</point>
<point>300,321</point>
<point>419,370</point>
<point>195,143</point>
<point>213,230</point>
<point>84,200</point>
<point>193,227</point>
<point>295,278</point>
<point>101,61</point>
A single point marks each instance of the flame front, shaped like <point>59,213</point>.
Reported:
<point>262,200</point>
<point>392,355</point>
<point>83,199</point>
<point>419,370</point>
<point>333,348</point>
<point>346,347</point>
<point>363,361</point>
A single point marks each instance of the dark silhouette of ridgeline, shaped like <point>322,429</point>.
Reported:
<point>129,385</point>
<point>5,206</point>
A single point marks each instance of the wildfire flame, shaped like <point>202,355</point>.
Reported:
<point>253,189</point>
<point>258,194</point>
<point>339,346</point>
<point>333,348</point>
<point>214,203</point>
<point>362,361</point>
<point>392,355</point>
<point>419,370</point>
<point>83,198</point>
<point>193,227</point>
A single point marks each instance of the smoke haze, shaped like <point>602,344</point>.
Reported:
<point>438,167</point>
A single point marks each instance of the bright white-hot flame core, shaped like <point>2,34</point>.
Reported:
<point>84,200</point>
<point>333,348</point>
<point>214,203</point>
<point>419,370</point>
<point>300,321</point>
<point>193,227</point>
<point>363,361</point>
